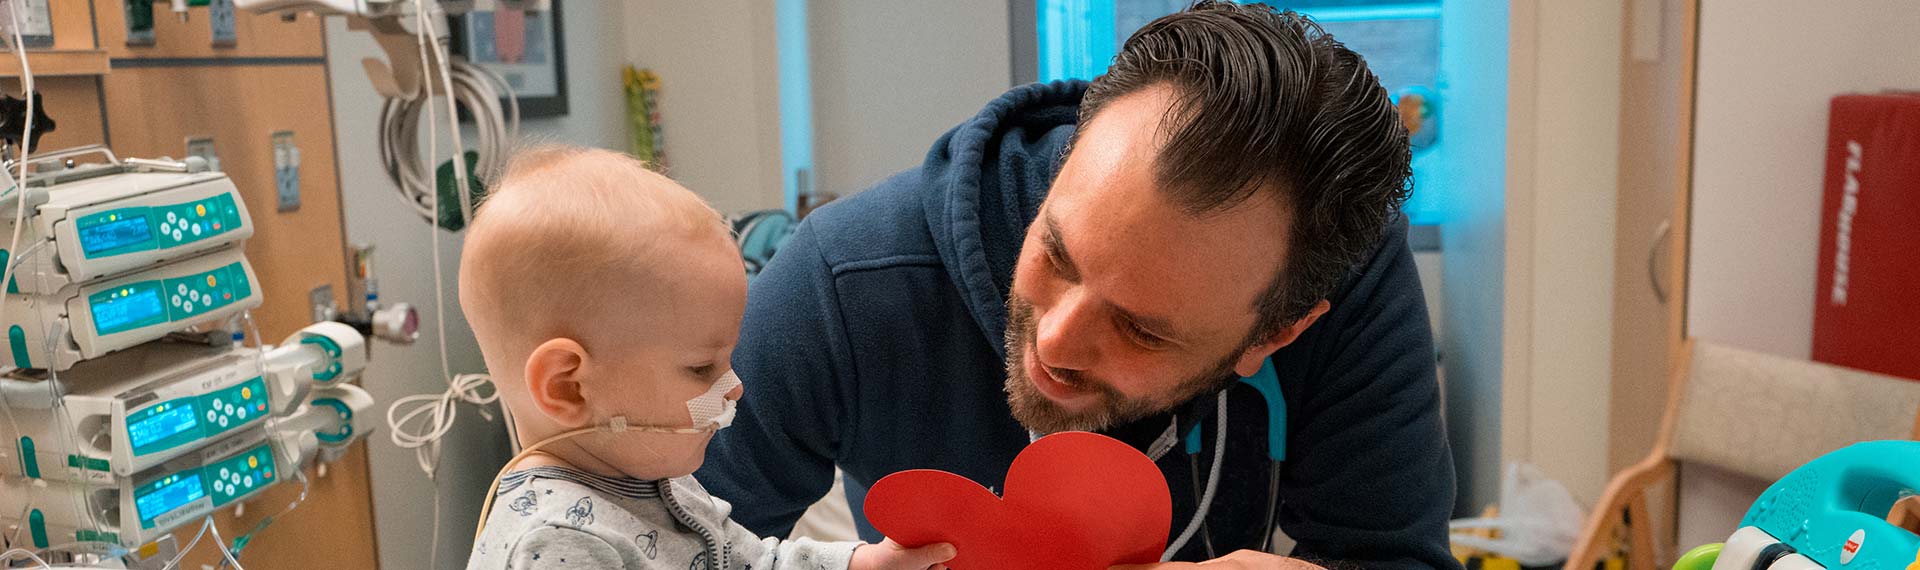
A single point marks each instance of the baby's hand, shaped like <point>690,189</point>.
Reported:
<point>889,555</point>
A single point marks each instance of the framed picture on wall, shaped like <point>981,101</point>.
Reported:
<point>525,48</point>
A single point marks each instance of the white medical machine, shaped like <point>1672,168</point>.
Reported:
<point>86,321</point>
<point>148,459</point>
<point>110,219</point>
<point>128,404</point>
<point>142,407</point>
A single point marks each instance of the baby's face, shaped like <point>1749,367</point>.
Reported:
<point>684,342</point>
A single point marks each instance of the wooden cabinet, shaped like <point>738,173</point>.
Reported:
<point>146,101</point>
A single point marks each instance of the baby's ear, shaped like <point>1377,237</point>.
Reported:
<point>553,380</point>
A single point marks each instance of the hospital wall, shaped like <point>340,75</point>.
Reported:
<point>375,213</point>
<point>719,95</point>
<point>890,77</point>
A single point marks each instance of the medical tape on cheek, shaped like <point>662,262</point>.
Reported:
<point>713,407</point>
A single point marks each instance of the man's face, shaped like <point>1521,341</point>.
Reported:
<point>1123,305</point>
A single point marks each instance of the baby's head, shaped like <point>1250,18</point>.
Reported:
<point>599,288</point>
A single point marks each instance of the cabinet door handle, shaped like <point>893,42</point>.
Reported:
<point>1660,236</point>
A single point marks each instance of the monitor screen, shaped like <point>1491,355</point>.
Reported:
<point>163,425</point>
<point>169,495</point>
<point>116,234</point>
<point>116,314</point>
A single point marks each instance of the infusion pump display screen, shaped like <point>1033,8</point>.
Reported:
<point>132,307</point>
<point>169,493</point>
<point>115,234</point>
<point>146,303</point>
<point>170,420</point>
<point>180,421</point>
<point>147,228</point>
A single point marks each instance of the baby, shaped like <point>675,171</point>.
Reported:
<point>606,300</point>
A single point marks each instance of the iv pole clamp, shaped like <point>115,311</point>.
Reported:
<point>13,115</point>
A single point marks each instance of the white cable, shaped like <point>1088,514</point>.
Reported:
<point>466,85</point>
<point>24,553</point>
<point>20,178</point>
<point>429,455</point>
<point>24,512</point>
<point>26,142</point>
<point>431,416</point>
<point>1213,480</point>
<point>434,414</point>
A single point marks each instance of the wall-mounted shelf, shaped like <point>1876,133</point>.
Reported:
<point>57,63</point>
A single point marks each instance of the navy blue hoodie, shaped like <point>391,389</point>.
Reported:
<point>873,342</point>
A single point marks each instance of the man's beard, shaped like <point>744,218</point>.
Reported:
<point>1039,414</point>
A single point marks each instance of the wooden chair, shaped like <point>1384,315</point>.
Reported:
<point>1754,414</point>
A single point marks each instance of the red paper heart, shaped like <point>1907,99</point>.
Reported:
<point>1074,500</point>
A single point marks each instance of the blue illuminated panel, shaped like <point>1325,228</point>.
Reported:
<point>115,233</point>
<point>149,303</point>
<point>163,426</point>
<point>127,308</point>
<point>181,421</point>
<point>167,494</point>
<point>143,228</point>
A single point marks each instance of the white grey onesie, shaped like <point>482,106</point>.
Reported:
<point>558,518</point>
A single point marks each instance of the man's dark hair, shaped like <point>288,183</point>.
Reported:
<point>1266,101</point>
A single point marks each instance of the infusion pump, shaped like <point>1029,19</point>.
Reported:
<point>119,219</point>
<point>148,405</point>
<point>115,254</point>
<point>143,441</point>
<point>80,322</point>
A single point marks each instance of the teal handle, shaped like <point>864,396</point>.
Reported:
<point>1267,382</point>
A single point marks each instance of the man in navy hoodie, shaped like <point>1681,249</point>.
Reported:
<point>1112,257</point>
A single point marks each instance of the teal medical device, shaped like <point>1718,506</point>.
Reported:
<point>1831,513</point>
<point>138,509</point>
<point>1267,382</point>
<point>97,318</point>
<point>105,220</point>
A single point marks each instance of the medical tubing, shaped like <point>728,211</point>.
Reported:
<point>1273,498</point>
<point>28,554</point>
<point>20,179</point>
<point>617,425</point>
<point>222,543</point>
<point>1213,481</point>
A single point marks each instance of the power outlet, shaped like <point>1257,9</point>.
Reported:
<point>286,171</point>
<point>203,148</point>
<point>220,16</point>
<point>325,308</point>
<point>139,22</point>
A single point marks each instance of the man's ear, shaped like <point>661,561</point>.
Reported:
<point>1256,355</point>
<point>553,381</point>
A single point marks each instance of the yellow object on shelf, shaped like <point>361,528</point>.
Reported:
<point>644,138</point>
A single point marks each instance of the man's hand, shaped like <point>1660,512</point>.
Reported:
<point>889,555</point>
<point>1241,560</point>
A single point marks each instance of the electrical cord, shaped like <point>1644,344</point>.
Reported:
<point>434,414</point>
<point>429,455</point>
<point>479,90</point>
